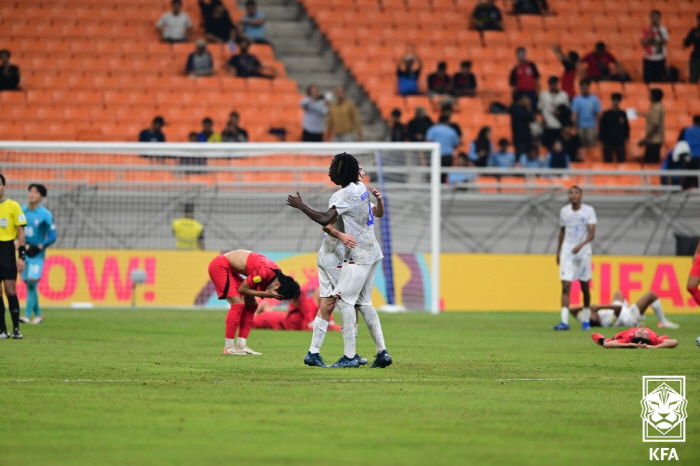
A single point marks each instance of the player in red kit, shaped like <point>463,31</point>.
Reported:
<point>300,315</point>
<point>641,337</point>
<point>263,279</point>
<point>694,277</point>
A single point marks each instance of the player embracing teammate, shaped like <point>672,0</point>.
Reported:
<point>346,275</point>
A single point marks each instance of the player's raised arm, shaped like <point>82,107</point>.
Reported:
<point>347,240</point>
<point>322,219</point>
<point>246,290</point>
<point>377,210</point>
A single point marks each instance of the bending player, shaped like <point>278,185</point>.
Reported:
<point>620,314</point>
<point>635,338</point>
<point>264,279</point>
<point>354,286</point>
<point>577,222</point>
<point>40,233</point>
<point>694,277</point>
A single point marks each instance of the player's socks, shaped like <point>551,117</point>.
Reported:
<point>3,325</point>
<point>374,326</point>
<point>658,311</point>
<point>586,318</point>
<point>241,343</point>
<point>319,334</point>
<point>32,299</point>
<point>229,343</point>
<point>565,315</point>
<point>695,292</point>
<point>13,304</point>
<point>233,319</point>
<point>246,322</point>
<point>347,312</point>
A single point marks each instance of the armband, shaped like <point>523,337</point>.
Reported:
<point>22,252</point>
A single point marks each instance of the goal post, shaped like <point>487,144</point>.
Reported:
<point>123,196</point>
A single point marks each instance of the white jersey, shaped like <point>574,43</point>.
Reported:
<point>575,223</point>
<point>355,210</point>
<point>333,251</point>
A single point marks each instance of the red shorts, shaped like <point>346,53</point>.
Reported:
<point>226,281</point>
<point>695,270</point>
<point>272,320</point>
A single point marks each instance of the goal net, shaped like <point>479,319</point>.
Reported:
<point>126,196</point>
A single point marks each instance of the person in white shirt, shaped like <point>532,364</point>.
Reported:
<point>654,39</point>
<point>175,25</point>
<point>577,222</point>
<point>547,104</point>
<point>351,204</point>
<point>619,313</point>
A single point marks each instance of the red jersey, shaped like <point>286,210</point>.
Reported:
<point>598,66</point>
<point>524,77</point>
<point>260,271</point>
<point>627,335</point>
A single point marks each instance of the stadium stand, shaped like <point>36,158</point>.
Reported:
<point>98,71</point>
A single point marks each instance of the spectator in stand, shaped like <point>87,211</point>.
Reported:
<point>691,135</point>
<point>654,133</point>
<point>532,159</point>
<point>464,82</point>
<point>408,71</point>
<point>154,133</point>
<point>679,158</point>
<point>343,123</point>
<point>207,134</point>
<point>585,109</point>
<point>599,65</point>
<point>461,161</point>
<point>557,157</point>
<point>219,27</point>
<point>524,78</point>
<point>654,39</point>
<point>233,132</point>
<point>448,139</point>
<point>571,142</point>
<point>487,17</point>
<point>521,115</point>
<point>315,108</point>
<point>548,103</point>
<point>175,25</point>
<point>572,70</point>
<point>614,131</point>
<point>9,73</point>
<point>502,158</point>
<point>481,148</point>
<point>439,82</point>
<point>447,110</point>
<point>253,23</point>
<point>693,38</point>
<point>418,126</point>
<point>200,62</point>
<point>530,7</point>
<point>247,65</point>
<point>398,129</point>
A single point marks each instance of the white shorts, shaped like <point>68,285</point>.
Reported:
<point>575,267</point>
<point>629,315</point>
<point>327,280</point>
<point>356,283</point>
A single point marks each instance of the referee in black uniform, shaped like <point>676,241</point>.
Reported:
<point>12,222</point>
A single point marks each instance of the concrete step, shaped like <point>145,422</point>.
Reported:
<point>274,13</point>
<point>308,62</point>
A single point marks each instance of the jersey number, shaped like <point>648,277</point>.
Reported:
<point>370,221</point>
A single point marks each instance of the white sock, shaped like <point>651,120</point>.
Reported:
<point>319,334</point>
<point>565,315</point>
<point>658,312</point>
<point>230,343</point>
<point>347,312</point>
<point>586,315</point>
<point>374,326</point>
<point>241,342</point>
<point>356,333</point>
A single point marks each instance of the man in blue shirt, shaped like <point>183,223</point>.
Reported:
<point>501,158</point>
<point>585,109</point>
<point>40,234</point>
<point>254,23</point>
<point>448,139</point>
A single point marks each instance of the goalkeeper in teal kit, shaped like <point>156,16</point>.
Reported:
<point>40,233</point>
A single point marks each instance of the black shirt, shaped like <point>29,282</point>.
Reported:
<point>488,15</point>
<point>9,78</point>
<point>220,27</point>
<point>520,119</point>
<point>149,136</point>
<point>417,128</point>
<point>246,65</point>
<point>614,127</point>
<point>438,83</point>
<point>464,82</point>
<point>398,132</point>
<point>693,38</point>
<point>240,135</point>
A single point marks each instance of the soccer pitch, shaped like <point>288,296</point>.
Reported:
<point>136,387</point>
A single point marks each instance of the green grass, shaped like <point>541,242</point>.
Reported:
<point>152,388</point>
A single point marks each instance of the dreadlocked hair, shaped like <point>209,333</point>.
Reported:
<point>289,288</point>
<point>344,169</point>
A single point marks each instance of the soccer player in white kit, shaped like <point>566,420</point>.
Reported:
<point>577,222</point>
<point>619,313</point>
<point>354,286</point>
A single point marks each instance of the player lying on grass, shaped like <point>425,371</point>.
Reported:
<point>300,316</point>
<point>351,206</point>
<point>264,279</point>
<point>620,314</point>
<point>641,337</point>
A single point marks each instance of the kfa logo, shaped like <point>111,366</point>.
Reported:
<point>662,454</point>
<point>664,409</point>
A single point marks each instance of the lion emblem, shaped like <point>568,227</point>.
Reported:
<point>664,408</point>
